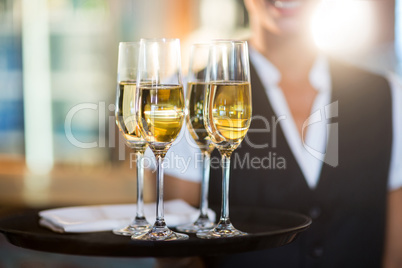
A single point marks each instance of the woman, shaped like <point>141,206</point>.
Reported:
<point>348,181</point>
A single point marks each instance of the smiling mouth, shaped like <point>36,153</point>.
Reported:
<point>285,4</point>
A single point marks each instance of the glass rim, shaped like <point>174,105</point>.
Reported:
<point>129,42</point>
<point>201,44</point>
<point>233,41</point>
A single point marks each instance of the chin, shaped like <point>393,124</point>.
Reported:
<point>289,17</point>
<point>291,28</point>
<point>286,27</point>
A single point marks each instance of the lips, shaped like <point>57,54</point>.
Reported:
<point>286,4</point>
<point>286,7</point>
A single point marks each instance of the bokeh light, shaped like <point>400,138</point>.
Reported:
<point>343,24</point>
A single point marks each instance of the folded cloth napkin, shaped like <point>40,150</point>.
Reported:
<point>84,219</point>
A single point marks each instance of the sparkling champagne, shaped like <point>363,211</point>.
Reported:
<point>125,117</point>
<point>229,115</point>
<point>161,113</point>
<point>194,118</point>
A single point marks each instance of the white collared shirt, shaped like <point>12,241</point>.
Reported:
<point>316,133</point>
<point>309,156</point>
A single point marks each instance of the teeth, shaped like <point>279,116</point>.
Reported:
<point>287,4</point>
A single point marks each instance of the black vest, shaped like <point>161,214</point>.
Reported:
<point>348,206</point>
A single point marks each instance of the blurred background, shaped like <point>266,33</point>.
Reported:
<point>58,58</point>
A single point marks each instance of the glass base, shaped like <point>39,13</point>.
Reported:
<point>202,223</point>
<point>160,234</point>
<point>138,226</point>
<point>221,230</point>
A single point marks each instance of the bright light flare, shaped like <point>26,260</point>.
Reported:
<point>343,24</point>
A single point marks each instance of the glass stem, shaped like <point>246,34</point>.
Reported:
<point>140,185</point>
<point>204,185</point>
<point>225,187</point>
<point>160,221</point>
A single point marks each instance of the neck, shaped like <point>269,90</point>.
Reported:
<point>292,55</point>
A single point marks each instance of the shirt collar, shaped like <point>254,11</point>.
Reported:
<point>268,73</point>
<point>319,76</point>
<point>270,76</point>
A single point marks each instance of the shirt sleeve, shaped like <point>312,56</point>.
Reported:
<point>395,171</point>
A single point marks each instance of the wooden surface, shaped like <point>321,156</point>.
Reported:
<point>68,185</point>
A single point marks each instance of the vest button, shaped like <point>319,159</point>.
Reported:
<point>315,212</point>
<point>317,252</point>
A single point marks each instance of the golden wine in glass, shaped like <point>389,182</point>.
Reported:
<point>195,98</point>
<point>127,123</point>
<point>227,115</point>
<point>160,113</point>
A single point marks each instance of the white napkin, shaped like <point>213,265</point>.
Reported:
<point>84,219</point>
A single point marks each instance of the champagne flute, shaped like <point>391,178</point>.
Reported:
<point>127,123</point>
<point>227,115</point>
<point>196,87</point>
<point>160,113</point>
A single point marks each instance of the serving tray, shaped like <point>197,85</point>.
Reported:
<point>266,228</point>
